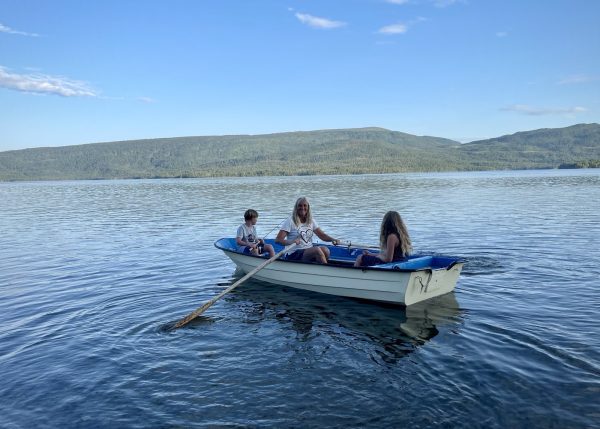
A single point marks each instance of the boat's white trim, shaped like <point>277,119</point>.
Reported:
<point>397,286</point>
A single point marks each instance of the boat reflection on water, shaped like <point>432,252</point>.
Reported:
<point>423,317</point>
<point>389,331</point>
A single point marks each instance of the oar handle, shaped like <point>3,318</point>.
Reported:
<point>187,319</point>
<point>348,243</point>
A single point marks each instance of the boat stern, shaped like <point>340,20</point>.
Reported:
<point>430,283</point>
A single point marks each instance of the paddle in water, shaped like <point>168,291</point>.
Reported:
<point>187,319</point>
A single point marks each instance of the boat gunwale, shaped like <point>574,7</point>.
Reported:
<point>371,268</point>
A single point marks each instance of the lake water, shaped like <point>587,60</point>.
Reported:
<point>92,271</point>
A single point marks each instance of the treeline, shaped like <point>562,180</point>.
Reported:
<point>545,148</point>
<point>349,151</point>
<point>592,163</point>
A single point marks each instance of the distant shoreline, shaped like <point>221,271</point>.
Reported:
<point>310,153</point>
<point>305,175</point>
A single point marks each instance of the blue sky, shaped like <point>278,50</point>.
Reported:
<point>75,72</point>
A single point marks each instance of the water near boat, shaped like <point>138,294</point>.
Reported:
<point>92,272</point>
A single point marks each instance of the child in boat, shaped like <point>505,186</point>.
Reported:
<point>246,238</point>
<point>299,229</point>
<point>394,242</point>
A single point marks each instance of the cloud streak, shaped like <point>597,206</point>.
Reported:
<point>44,84</point>
<point>543,111</point>
<point>6,29</point>
<point>394,29</point>
<point>400,27</point>
<point>146,100</point>
<point>318,22</point>
<point>578,78</point>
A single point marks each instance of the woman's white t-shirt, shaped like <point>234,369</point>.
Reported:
<point>304,231</point>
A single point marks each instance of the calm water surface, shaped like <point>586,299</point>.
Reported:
<point>91,273</point>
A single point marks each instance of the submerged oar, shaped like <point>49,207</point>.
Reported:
<point>187,319</point>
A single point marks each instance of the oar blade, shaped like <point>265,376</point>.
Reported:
<point>194,314</point>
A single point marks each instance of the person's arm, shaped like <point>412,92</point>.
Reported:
<point>281,238</point>
<point>240,242</point>
<point>325,237</point>
<point>239,239</point>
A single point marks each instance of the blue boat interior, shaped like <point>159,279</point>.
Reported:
<point>344,256</point>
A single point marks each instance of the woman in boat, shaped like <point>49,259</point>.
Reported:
<point>299,229</point>
<point>394,242</point>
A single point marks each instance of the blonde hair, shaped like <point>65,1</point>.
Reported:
<point>295,217</point>
<point>392,223</point>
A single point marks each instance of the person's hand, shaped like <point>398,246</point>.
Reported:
<point>335,241</point>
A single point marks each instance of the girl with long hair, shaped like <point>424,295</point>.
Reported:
<point>394,242</point>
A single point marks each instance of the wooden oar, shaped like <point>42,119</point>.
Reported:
<point>187,319</point>
<point>348,243</point>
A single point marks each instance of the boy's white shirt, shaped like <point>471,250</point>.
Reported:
<point>247,233</point>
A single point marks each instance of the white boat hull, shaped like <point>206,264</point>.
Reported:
<point>395,286</point>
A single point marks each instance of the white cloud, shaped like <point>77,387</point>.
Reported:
<point>394,29</point>
<point>542,111</point>
<point>44,84</point>
<point>146,100</point>
<point>317,22</point>
<point>400,28</point>
<point>5,29</point>
<point>578,78</point>
<point>397,1</point>
<point>501,34</point>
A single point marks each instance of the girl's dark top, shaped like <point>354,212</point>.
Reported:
<point>368,260</point>
<point>398,256</point>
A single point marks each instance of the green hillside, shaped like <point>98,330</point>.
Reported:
<point>545,148</point>
<point>347,151</point>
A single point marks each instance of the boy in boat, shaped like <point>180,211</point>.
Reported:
<point>247,239</point>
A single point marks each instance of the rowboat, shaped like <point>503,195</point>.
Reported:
<point>414,279</point>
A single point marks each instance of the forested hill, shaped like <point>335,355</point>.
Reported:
<point>575,146</point>
<point>347,151</point>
